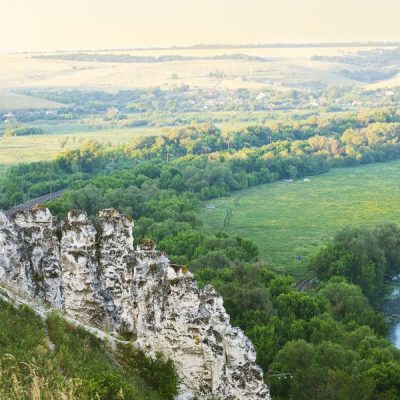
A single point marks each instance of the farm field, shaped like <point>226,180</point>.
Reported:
<point>18,149</point>
<point>12,101</point>
<point>287,65</point>
<point>291,219</point>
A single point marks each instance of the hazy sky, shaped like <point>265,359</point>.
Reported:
<point>81,24</point>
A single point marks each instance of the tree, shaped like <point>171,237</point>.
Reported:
<point>346,300</point>
<point>336,260</point>
<point>299,305</point>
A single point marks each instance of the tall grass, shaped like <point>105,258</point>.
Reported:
<point>25,381</point>
<point>56,360</point>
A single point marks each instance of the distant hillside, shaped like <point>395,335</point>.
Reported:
<point>12,102</point>
<point>127,58</point>
<point>371,65</point>
<point>260,46</point>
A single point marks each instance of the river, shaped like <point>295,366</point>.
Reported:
<point>392,313</point>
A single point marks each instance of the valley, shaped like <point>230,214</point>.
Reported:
<point>289,220</point>
<point>253,169</point>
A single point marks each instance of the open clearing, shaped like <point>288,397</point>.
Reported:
<point>290,219</point>
<point>18,149</point>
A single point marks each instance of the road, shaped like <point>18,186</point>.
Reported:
<point>33,202</point>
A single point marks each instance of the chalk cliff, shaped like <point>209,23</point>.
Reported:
<point>91,271</point>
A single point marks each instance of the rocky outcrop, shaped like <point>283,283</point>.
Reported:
<point>30,255</point>
<point>90,270</point>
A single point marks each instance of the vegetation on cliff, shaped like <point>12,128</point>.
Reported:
<point>53,359</point>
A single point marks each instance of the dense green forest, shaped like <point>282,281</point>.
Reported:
<point>224,160</point>
<point>330,341</point>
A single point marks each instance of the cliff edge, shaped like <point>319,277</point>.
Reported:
<point>91,271</point>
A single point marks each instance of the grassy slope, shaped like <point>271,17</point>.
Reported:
<point>12,101</point>
<point>20,71</point>
<point>78,367</point>
<point>289,219</point>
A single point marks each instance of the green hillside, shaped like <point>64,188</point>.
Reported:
<point>55,360</point>
<point>289,220</point>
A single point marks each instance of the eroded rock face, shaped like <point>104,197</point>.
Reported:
<point>30,256</point>
<point>84,293</point>
<point>92,272</point>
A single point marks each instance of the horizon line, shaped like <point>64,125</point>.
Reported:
<point>204,46</point>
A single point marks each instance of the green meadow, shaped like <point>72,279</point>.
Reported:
<point>33,148</point>
<point>289,220</point>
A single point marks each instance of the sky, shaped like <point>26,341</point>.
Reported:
<point>99,24</point>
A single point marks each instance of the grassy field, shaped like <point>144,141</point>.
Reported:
<point>12,101</point>
<point>45,147</point>
<point>290,219</point>
<point>283,65</point>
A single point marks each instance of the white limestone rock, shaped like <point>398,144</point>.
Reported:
<point>14,265</point>
<point>38,233</point>
<point>84,293</point>
<point>91,271</point>
<point>191,327</point>
<point>115,245</point>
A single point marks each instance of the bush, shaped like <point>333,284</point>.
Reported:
<point>27,131</point>
<point>158,373</point>
<point>83,356</point>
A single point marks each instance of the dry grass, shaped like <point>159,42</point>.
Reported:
<point>285,65</point>
<point>23,381</point>
<point>388,83</point>
<point>11,101</point>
